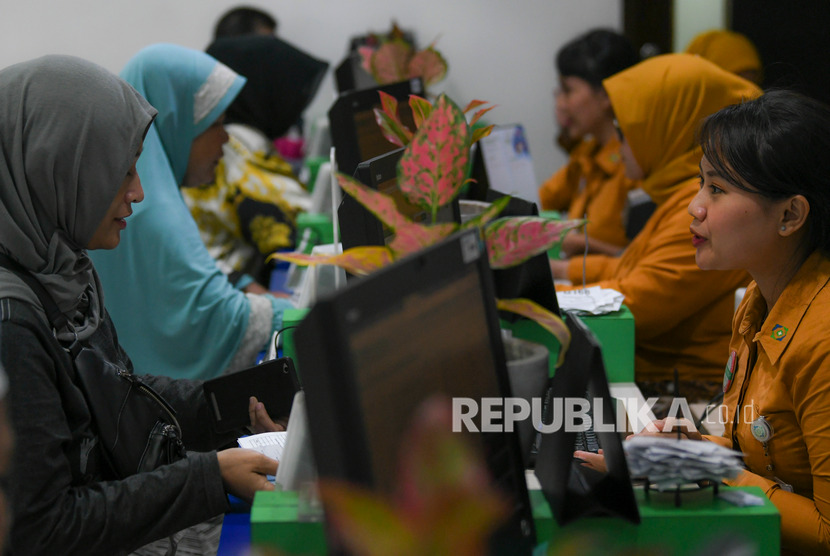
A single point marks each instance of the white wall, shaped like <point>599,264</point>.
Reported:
<point>696,16</point>
<point>498,50</point>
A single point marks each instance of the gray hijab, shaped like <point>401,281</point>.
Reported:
<point>69,133</point>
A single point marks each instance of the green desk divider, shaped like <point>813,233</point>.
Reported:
<point>615,332</point>
<point>319,223</point>
<point>692,529</point>
<point>275,524</point>
<point>665,529</point>
<point>290,319</point>
<point>313,164</point>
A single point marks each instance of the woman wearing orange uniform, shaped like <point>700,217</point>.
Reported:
<point>764,206</point>
<point>593,181</point>
<point>681,314</point>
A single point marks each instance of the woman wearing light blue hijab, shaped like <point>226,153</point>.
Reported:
<point>176,312</point>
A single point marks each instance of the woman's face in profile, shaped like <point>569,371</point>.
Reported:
<point>108,233</point>
<point>585,108</point>
<point>205,153</point>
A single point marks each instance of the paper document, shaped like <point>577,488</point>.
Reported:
<point>590,301</point>
<point>270,444</point>
<point>670,463</point>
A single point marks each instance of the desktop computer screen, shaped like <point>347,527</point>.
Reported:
<point>372,353</point>
<point>574,491</point>
<point>502,161</point>
<point>355,134</point>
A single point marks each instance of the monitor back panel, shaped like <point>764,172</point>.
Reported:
<point>372,354</point>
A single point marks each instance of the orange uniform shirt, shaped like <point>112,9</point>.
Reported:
<point>789,385</point>
<point>593,182</point>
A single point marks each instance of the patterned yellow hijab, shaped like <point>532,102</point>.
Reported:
<point>659,105</point>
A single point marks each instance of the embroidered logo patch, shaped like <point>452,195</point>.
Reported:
<point>779,332</point>
<point>729,373</point>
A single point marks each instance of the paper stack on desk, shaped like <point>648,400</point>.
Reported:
<point>590,301</point>
<point>669,463</point>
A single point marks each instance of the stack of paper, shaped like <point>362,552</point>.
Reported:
<point>669,463</point>
<point>590,301</point>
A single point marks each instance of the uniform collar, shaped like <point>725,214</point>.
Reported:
<point>589,154</point>
<point>781,324</point>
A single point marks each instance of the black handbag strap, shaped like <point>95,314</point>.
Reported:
<point>56,318</point>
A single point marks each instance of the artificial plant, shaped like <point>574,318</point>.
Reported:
<point>445,502</point>
<point>391,58</point>
<point>432,171</point>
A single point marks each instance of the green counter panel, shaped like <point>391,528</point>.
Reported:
<point>320,224</point>
<point>275,523</point>
<point>699,523</point>
<point>290,319</point>
<point>665,529</point>
<point>615,332</point>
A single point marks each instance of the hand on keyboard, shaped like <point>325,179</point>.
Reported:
<point>595,461</point>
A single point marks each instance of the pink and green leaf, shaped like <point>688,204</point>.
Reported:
<point>547,320</point>
<point>366,523</point>
<point>477,116</point>
<point>444,489</point>
<point>381,205</point>
<point>366,53</point>
<point>411,238</point>
<point>488,214</point>
<point>389,63</point>
<point>358,260</point>
<point>393,131</point>
<point>433,166</point>
<point>481,132</point>
<point>473,104</point>
<point>421,109</point>
<point>511,241</point>
<point>429,65</point>
<point>387,118</point>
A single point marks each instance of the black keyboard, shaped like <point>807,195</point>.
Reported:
<point>587,441</point>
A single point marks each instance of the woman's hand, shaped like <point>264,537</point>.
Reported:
<point>244,472</point>
<point>592,460</point>
<point>573,244</point>
<point>667,427</point>
<point>260,420</point>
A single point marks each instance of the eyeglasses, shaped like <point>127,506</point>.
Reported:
<point>618,130</point>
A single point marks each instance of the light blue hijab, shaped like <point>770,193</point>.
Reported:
<point>175,311</point>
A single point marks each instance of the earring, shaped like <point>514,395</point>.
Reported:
<point>783,228</point>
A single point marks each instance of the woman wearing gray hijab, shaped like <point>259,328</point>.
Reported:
<point>70,135</point>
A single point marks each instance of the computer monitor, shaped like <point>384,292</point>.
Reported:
<point>530,280</point>
<point>372,353</point>
<point>502,161</point>
<point>359,227</point>
<point>355,133</point>
<point>349,75</point>
<point>572,490</point>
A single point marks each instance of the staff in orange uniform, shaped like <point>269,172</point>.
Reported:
<point>681,314</point>
<point>764,206</point>
<point>593,181</point>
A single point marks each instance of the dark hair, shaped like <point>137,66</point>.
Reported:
<point>596,55</point>
<point>776,146</point>
<point>243,21</point>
